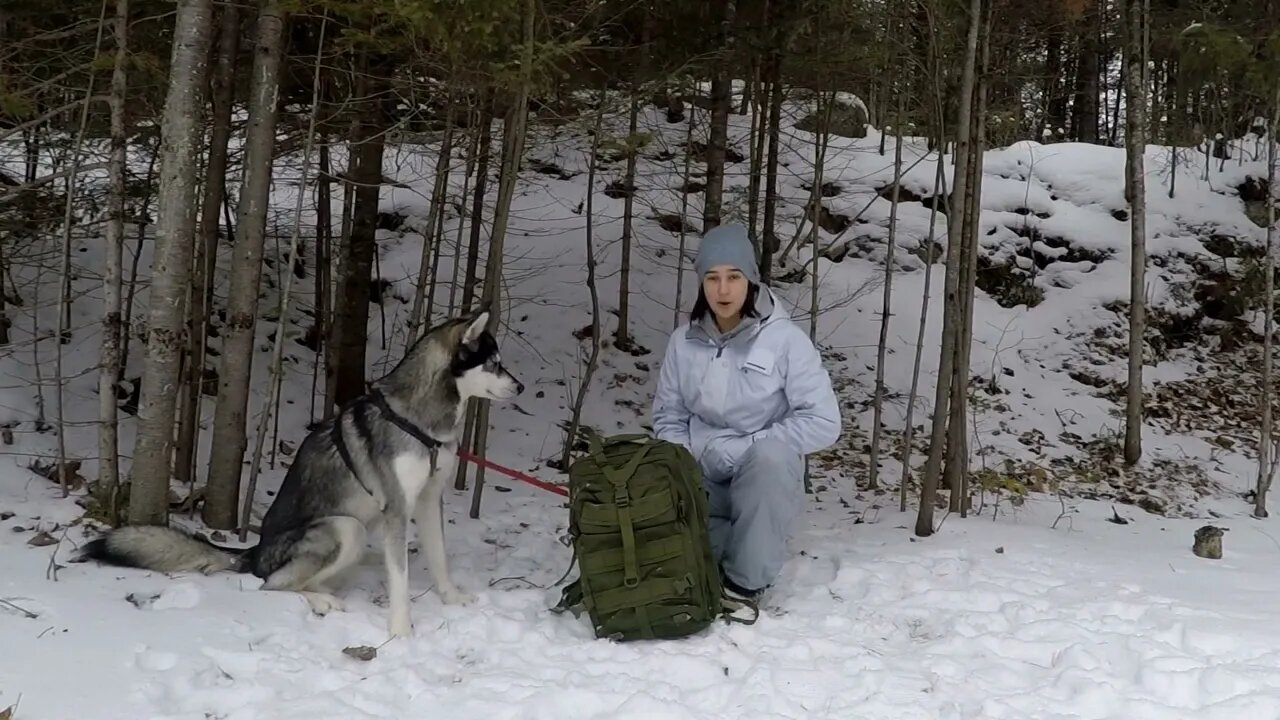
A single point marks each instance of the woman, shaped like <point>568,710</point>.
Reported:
<point>743,388</point>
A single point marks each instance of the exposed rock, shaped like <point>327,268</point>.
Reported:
<point>698,150</point>
<point>833,223</point>
<point>672,223</point>
<point>829,189</point>
<point>904,195</point>
<point>1007,284</point>
<point>619,189</point>
<point>1208,542</point>
<point>391,221</point>
<point>549,168</point>
<point>847,120</point>
<point>1069,253</point>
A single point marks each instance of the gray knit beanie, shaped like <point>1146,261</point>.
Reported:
<point>727,245</point>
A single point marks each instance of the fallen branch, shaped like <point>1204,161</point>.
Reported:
<point>27,613</point>
<point>17,189</point>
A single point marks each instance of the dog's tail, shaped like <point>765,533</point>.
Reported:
<point>164,549</point>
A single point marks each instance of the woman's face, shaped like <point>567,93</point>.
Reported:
<point>726,290</point>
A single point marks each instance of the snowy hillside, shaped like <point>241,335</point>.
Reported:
<point>989,620</point>
<point>1055,236</point>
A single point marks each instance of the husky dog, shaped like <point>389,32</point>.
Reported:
<point>385,458</point>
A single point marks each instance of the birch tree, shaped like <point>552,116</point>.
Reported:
<point>952,316</point>
<point>181,135</point>
<point>514,129</point>
<point>222,97</point>
<point>957,467</point>
<point>1266,445</point>
<point>113,277</point>
<point>222,493</point>
<point>1135,58</point>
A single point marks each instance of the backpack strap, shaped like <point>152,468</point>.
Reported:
<point>619,477</point>
<point>570,598</point>
<point>596,443</point>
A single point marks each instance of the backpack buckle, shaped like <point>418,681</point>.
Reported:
<point>621,497</point>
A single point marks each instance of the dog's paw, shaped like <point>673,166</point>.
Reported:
<point>322,604</point>
<point>454,596</point>
<point>400,628</point>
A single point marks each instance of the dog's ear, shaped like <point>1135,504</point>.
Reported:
<point>475,328</point>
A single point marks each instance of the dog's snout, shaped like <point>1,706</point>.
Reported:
<point>519,387</point>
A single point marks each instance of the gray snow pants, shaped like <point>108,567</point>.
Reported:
<point>751,513</point>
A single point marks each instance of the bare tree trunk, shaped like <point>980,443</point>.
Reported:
<point>749,89</point>
<point>1055,95</point>
<point>622,338</point>
<point>1266,444</point>
<point>1135,186</point>
<point>770,242</point>
<point>222,86</point>
<point>324,245</point>
<point>437,245</point>
<point>951,316</point>
<point>64,301</point>
<point>467,172</point>
<point>513,133</point>
<point>939,191</point>
<point>938,121</point>
<point>957,468</point>
<point>175,229</point>
<point>758,91</point>
<point>685,178</point>
<point>886,81</point>
<point>956,442</point>
<point>473,258</point>
<point>1115,106</point>
<point>140,235</point>
<point>575,419</point>
<point>1084,112</point>
<point>821,140</point>
<point>4,317</point>
<point>886,309</point>
<point>277,350</point>
<point>337,261</point>
<point>113,278</point>
<point>5,322</point>
<point>352,307</point>
<point>419,320</point>
<point>226,456</point>
<point>477,201</point>
<point>721,107</point>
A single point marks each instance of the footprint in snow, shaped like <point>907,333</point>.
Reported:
<point>154,660</point>
<point>182,596</point>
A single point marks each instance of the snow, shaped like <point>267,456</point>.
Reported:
<point>1045,608</point>
<point>1004,619</point>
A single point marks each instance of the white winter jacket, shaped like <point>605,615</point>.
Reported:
<point>718,394</point>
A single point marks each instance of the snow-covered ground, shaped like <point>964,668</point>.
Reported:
<point>996,616</point>
<point>994,620</point>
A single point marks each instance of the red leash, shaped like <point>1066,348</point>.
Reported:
<point>513,474</point>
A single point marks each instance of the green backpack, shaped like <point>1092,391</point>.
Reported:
<point>638,525</point>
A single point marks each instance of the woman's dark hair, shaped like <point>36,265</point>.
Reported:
<point>701,307</point>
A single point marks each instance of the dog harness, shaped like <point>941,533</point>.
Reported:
<point>380,401</point>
